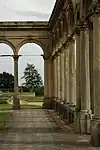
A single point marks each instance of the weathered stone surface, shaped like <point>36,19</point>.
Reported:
<point>40,129</point>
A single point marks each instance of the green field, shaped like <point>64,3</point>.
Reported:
<point>27,100</point>
<point>30,98</point>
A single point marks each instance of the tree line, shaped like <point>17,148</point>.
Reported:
<point>33,80</point>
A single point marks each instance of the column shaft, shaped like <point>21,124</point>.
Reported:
<point>45,79</point>
<point>78,95</point>
<point>62,76</point>
<point>85,80</point>
<point>47,100</point>
<point>95,124</point>
<point>55,68</point>
<point>58,77</point>
<point>72,73</point>
<point>66,71</point>
<point>96,65</point>
<point>16,101</point>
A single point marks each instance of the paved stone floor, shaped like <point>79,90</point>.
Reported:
<point>37,129</point>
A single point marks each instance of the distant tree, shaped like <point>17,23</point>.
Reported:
<point>6,81</point>
<point>32,78</point>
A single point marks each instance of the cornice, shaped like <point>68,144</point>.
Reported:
<point>55,13</point>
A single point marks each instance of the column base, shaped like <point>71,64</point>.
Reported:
<point>57,105</point>
<point>77,120</point>
<point>16,107</point>
<point>61,108</point>
<point>16,103</point>
<point>95,132</point>
<point>71,113</point>
<point>47,103</point>
<point>85,118</point>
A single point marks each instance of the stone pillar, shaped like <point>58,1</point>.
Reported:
<point>58,77</point>
<point>66,74</point>
<point>72,73</point>
<point>78,95</point>
<point>95,124</point>
<point>46,103</point>
<point>16,101</point>
<point>45,79</point>
<point>84,79</point>
<point>62,76</point>
<point>58,81</point>
<point>50,82</point>
<point>55,77</point>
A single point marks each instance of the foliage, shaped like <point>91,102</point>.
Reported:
<point>3,102</point>
<point>23,89</point>
<point>39,91</point>
<point>6,81</point>
<point>32,78</point>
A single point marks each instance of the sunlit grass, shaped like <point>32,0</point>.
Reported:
<point>30,98</point>
<point>27,100</point>
<point>5,106</point>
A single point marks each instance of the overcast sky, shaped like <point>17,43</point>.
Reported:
<point>24,10</point>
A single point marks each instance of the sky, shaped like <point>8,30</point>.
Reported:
<point>24,10</point>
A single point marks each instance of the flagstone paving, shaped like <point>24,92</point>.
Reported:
<point>37,129</point>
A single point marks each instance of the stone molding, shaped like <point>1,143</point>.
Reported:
<point>83,24</point>
<point>95,7</point>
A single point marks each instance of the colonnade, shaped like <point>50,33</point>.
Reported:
<point>72,78</point>
<point>72,65</point>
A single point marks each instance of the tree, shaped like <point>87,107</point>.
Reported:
<point>6,81</point>
<point>32,78</point>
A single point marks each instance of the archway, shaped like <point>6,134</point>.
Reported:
<point>6,74</point>
<point>32,54</point>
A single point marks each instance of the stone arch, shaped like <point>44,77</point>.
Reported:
<point>29,40</point>
<point>8,43</point>
<point>30,53</point>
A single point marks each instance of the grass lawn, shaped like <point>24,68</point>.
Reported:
<point>5,106</point>
<point>31,106</point>
<point>27,100</point>
<point>30,98</point>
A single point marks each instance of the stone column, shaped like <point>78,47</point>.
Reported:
<point>53,82</point>
<point>84,78</point>
<point>58,77</point>
<point>78,95</point>
<point>62,76</point>
<point>95,131</point>
<point>55,77</point>
<point>72,73</point>
<point>66,74</point>
<point>58,81</point>
<point>46,88</point>
<point>50,81</point>
<point>45,79</point>
<point>16,101</point>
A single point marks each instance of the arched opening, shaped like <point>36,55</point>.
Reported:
<point>6,75</point>
<point>31,58</point>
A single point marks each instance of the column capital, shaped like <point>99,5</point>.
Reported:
<point>16,57</point>
<point>76,30</point>
<point>83,24</point>
<point>70,39</point>
<point>95,7</point>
